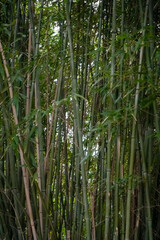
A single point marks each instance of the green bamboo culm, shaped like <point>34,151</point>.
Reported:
<point>108,180</point>
<point>77,124</point>
<point>133,139</point>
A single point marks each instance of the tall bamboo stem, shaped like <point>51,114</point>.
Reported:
<point>133,139</point>
<point>77,123</point>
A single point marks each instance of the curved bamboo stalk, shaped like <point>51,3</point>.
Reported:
<point>24,170</point>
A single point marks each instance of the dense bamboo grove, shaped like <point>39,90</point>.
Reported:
<point>79,120</point>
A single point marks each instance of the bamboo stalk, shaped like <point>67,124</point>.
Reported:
<point>145,176</point>
<point>77,123</point>
<point>108,180</point>
<point>129,192</point>
<point>24,170</point>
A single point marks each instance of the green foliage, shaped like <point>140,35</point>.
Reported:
<point>86,94</point>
